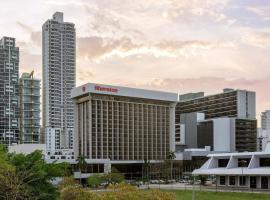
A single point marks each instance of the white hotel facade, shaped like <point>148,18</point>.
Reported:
<point>123,125</point>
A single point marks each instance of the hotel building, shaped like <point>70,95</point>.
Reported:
<point>116,125</point>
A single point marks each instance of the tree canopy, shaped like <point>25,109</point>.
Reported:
<point>28,176</point>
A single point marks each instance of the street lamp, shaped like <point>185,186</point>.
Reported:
<point>242,162</point>
<point>193,189</point>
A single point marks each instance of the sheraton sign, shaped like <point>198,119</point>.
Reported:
<point>106,89</point>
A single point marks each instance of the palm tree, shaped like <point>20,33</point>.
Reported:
<point>81,162</point>
<point>171,157</point>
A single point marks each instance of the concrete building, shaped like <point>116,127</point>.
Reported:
<point>29,97</point>
<point>60,155</point>
<point>263,135</point>
<point>237,105</point>
<point>9,91</point>
<point>190,96</point>
<point>265,120</point>
<point>243,170</point>
<point>188,132</point>
<point>218,134</point>
<point>120,125</point>
<point>58,72</point>
<point>52,141</point>
<point>26,148</point>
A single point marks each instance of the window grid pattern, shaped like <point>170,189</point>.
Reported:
<point>123,130</point>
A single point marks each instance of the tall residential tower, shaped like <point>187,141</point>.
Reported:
<point>29,90</point>
<point>9,73</point>
<point>58,57</point>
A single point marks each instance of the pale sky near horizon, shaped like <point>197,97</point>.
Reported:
<point>175,45</point>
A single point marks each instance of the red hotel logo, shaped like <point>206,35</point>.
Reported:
<point>106,89</point>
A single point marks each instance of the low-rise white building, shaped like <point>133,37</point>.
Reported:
<point>60,154</point>
<point>26,148</point>
<point>247,169</point>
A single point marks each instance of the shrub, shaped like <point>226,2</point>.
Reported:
<point>114,177</point>
<point>121,192</point>
<point>68,181</point>
<point>128,192</point>
<point>95,180</point>
<point>78,193</point>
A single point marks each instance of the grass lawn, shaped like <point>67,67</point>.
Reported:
<point>187,195</point>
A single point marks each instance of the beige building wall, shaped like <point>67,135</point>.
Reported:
<point>118,128</point>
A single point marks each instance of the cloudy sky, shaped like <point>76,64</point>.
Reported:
<point>176,45</point>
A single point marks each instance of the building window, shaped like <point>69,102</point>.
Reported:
<point>242,180</point>
<point>223,162</point>
<point>222,180</point>
<point>232,180</point>
<point>264,162</point>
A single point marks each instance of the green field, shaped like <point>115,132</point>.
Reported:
<point>187,195</point>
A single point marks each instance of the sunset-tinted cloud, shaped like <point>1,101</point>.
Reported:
<point>183,46</point>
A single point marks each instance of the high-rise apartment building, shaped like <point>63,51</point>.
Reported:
<point>29,90</point>
<point>58,57</point>
<point>9,91</point>
<point>265,120</point>
<point>238,105</point>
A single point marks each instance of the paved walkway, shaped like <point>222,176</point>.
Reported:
<point>183,186</point>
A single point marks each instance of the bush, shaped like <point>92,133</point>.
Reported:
<point>78,193</point>
<point>114,177</point>
<point>95,180</point>
<point>127,192</point>
<point>68,181</point>
<point>121,192</point>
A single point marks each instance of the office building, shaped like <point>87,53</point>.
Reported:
<point>248,170</point>
<point>263,135</point>
<point>29,97</point>
<point>187,136</point>
<point>190,96</point>
<point>230,103</point>
<point>58,72</point>
<point>265,120</point>
<point>120,125</point>
<point>238,105</point>
<point>9,91</point>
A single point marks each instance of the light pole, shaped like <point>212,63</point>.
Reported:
<point>193,190</point>
<point>242,162</point>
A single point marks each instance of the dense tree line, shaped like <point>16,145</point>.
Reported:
<point>28,176</point>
